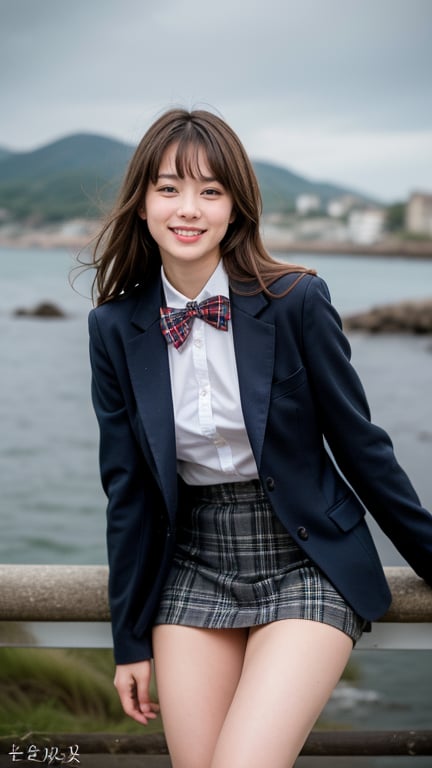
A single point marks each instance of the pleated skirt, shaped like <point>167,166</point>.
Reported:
<point>235,565</point>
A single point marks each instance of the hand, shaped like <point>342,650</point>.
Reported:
<point>132,682</point>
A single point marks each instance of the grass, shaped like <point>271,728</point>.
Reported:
<point>45,690</point>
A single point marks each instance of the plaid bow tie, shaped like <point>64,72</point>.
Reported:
<point>176,324</point>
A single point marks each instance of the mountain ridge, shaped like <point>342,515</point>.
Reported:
<point>78,175</point>
<point>74,152</point>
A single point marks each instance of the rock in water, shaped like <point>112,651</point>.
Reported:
<point>403,317</point>
<point>44,309</point>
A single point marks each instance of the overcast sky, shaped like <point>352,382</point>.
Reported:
<point>338,90</point>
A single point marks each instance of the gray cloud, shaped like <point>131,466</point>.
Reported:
<point>323,70</point>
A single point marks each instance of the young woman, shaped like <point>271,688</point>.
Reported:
<point>239,556</point>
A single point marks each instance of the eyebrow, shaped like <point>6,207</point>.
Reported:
<point>173,176</point>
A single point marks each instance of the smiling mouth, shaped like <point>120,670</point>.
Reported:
<point>188,232</point>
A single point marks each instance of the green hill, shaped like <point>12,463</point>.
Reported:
<point>96,155</point>
<point>78,176</point>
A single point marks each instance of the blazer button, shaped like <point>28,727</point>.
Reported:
<point>270,484</point>
<point>302,533</point>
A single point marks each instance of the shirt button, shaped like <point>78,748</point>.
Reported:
<point>302,533</point>
<point>203,393</point>
<point>270,484</point>
<point>198,343</point>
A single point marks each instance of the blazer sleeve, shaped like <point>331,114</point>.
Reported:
<point>123,475</point>
<point>362,450</point>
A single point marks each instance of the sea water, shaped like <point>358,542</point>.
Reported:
<point>52,506</point>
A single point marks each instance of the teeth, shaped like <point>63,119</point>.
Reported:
<point>188,232</point>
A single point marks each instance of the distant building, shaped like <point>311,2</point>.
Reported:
<point>419,214</point>
<point>340,206</point>
<point>307,203</point>
<point>366,227</point>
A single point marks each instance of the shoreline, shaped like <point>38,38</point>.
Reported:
<point>80,234</point>
<point>386,248</point>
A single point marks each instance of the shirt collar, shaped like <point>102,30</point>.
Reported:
<point>216,285</point>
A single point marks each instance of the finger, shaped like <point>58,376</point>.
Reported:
<point>127,690</point>
<point>148,707</point>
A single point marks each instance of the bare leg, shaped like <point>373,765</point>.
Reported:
<point>290,669</point>
<point>197,673</point>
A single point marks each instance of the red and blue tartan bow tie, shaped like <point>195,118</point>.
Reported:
<point>176,324</point>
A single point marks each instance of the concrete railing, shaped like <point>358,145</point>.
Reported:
<point>38,594</point>
<point>79,593</point>
<point>76,595</point>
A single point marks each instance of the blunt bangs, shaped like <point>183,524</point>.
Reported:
<point>192,145</point>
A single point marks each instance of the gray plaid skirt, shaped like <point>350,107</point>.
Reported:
<point>235,565</point>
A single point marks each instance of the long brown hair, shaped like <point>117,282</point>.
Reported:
<point>126,254</point>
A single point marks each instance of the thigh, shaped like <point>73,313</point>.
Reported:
<point>197,672</point>
<point>290,669</point>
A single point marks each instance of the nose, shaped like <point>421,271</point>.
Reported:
<point>188,207</point>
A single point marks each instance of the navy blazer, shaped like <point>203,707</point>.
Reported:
<point>297,387</point>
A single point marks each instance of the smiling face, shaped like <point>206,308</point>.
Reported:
<point>188,218</point>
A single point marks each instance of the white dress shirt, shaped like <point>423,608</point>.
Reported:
<point>211,440</point>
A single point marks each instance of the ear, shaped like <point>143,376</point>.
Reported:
<point>142,214</point>
<point>233,216</point>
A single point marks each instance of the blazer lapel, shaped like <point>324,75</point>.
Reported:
<point>147,359</point>
<point>254,344</point>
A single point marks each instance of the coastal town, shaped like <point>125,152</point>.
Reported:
<point>349,225</point>
<point>344,225</point>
